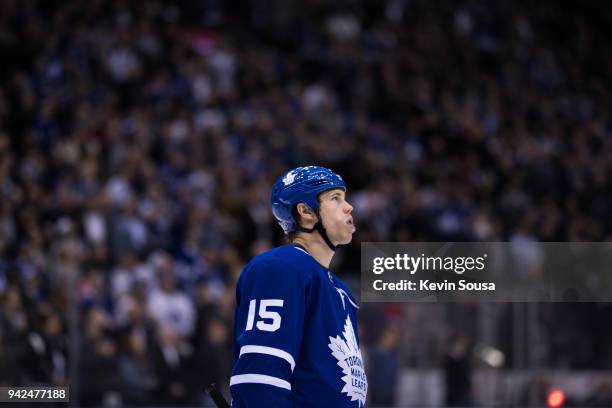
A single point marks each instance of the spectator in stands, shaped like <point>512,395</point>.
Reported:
<point>170,308</point>
<point>384,360</point>
<point>458,372</point>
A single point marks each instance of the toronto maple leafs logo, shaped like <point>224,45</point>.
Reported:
<point>348,354</point>
<point>289,178</point>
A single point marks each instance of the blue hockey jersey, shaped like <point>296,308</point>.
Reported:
<point>295,335</point>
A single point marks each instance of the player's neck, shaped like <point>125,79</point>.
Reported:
<point>314,244</point>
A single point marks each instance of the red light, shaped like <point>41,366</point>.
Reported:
<point>556,398</point>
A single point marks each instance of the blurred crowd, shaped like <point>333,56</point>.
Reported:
<point>139,142</point>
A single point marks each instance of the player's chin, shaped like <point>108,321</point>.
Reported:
<point>347,238</point>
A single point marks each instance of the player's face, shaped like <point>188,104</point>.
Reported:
<point>337,216</point>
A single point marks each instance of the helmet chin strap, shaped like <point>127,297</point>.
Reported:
<point>319,227</point>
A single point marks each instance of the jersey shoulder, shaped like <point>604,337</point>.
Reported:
<point>344,288</point>
<point>284,263</point>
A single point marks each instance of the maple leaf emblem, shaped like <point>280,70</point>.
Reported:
<point>347,353</point>
<point>289,178</point>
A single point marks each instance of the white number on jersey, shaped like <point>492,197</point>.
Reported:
<point>273,318</point>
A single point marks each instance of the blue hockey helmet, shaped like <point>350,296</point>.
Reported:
<point>301,185</point>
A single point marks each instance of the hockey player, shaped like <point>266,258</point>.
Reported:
<point>295,330</point>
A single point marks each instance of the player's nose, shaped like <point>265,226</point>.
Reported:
<point>349,207</point>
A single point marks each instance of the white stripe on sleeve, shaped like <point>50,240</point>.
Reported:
<point>271,351</point>
<point>259,379</point>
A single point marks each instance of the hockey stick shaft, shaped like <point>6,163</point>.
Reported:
<point>216,396</point>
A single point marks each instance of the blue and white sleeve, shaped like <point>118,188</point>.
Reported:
<point>271,302</point>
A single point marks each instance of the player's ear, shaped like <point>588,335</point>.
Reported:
<point>305,213</point>
<point>303,209</point>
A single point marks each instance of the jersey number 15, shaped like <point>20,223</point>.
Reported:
<point>269,321</point>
